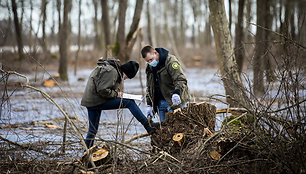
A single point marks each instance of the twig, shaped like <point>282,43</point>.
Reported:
<point>136,137</point>
<point>56,104</point>
<point>279,34</point>
<point>217,133</point>
<point>231,149</point>
<point>27,147</point>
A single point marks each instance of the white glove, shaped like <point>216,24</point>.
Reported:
<point>149,111</point>
<point>176,99</point>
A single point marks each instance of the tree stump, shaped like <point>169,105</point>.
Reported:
<point>100,155</point>
<point>181,126</point>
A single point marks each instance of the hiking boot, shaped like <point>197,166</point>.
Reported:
<point>151,127</point>
<point>154,124</point>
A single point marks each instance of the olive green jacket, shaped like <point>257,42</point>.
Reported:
<point>102,85</point>
<point>171,77</point>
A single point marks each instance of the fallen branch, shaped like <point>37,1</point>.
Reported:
<point>136,137</point>
<point>27,147</point>
<point>56,104</point>
<point>219,132</point>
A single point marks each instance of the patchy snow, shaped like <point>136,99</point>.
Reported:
<point>31,111</point>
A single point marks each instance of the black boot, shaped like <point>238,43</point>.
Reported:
<point>154,124</point>
<point>151,127</point>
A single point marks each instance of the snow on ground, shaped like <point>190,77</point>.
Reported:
<point>31,111</point>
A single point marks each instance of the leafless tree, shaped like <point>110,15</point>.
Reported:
<point>18,30</point>
<point>64,44</point>
<point>239,49</point>
<point>106,25</point>
<point>79,38</point>
<point>226,58</point>
<point>124,45</point>
<point>258,69</point>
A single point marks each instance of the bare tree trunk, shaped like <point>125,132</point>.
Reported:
<point>239,48</point>
<point>169,33</point>
<point>175,26</point>
<point>140,39</point>
<point>259,50</point>
<point>105,20</point>
<point>194,6</point>
<point>125,45</point>
<point>44,18</point>
<point>21,16</point>
<point>151,33</point>
<point>131,36</point>
<point>302,30</point>
<point>269,68</point>
<point>230,15</point>
<point>59,18</point>
<point>18,30</point>
<point>182,23</point>
<point>31,26</point>
<point>120,41</point>
<point>79,39</point>
<point>207,34</point>
<point>64,44</point>
<point>248,17</point>
<point>97,37</point>
<point>292,21</point>
<point>53,22</point>
<point>236,95</point>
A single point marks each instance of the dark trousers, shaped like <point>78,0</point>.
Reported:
<point>94,114</point>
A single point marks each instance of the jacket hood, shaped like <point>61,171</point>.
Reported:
<point>163,54</point>
<point>111,61</point>
<point>100,61</point>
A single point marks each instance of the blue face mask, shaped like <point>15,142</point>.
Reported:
<point>154,63</point>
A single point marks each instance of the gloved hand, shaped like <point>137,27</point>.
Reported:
<point>176,99</point>
<point>149,111</point>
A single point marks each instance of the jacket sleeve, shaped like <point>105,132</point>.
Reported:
<point>177,76</point>
<point>105,84</point>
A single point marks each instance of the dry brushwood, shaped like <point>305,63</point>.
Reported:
<point>184,124</point>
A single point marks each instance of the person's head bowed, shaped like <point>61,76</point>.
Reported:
<point>130,68</point>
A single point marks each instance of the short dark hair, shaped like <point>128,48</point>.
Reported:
<point>145,50</point>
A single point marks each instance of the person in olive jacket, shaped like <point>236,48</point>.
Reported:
<point>166,82</point>
<point>102,93</point>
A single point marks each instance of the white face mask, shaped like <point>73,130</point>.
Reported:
<point>154,63</point>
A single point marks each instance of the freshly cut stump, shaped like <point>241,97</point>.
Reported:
<point>189,121</point>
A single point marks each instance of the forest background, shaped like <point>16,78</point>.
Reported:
<point>257,46</point>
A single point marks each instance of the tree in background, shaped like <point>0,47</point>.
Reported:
<point>64,44</point>
<point>44,36</point>
<point>236,95</point>
<point>151,33</point>
<point>98,43</point>
<point>18,30</point>
<point>124,45</point>
<point>106,26</point>
<point>79,39</point>
<point>239,49</point>
<point>258,69</point>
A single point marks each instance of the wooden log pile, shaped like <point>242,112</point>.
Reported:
<point>182,126</point>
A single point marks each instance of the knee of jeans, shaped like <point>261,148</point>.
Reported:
<point>129,102</point>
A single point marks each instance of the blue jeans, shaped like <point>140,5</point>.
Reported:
<point>94,114</point>
<point>163,108</point>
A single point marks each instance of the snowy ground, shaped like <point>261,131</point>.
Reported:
<point>29,111</point>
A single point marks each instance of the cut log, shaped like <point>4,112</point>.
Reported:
<point>190,120</point>
<point>179,137</point>
<point>100,155</point>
